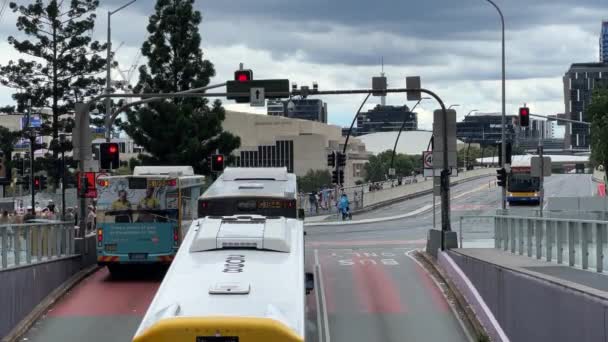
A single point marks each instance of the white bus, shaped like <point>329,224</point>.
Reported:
<point>218,288</point>
<point>141,218</point>
<point>246,191</point>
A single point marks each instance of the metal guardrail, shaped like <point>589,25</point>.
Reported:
<point>580,243</point>
<point>476,231</point>
<point>23,244</point>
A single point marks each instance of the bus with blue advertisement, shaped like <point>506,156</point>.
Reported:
<point>141,218</point>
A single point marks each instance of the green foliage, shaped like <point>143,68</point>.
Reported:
<point>314,180</point>
<point>377,168</point>
<point>178,131</point>
<point>473,154</point>
<point>64,63</point>
<point>597,111</point>
<point>7,143</point>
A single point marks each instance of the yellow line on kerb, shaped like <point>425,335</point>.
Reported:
<point>248,329</point>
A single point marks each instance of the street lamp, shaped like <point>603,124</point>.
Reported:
<point>109,62</point>
<point>472,111</point>
<point>504,119</point>
<point>454,105</point>
<point>466,160</point>
<point>401,129</point>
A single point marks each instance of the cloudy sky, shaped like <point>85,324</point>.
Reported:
<point>454,45</point>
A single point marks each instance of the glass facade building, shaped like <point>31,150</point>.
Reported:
<point>484,129</point>
<point>304,109</point>
<point>604,42</point>
<point>386,119</point>
<point>579,82</point>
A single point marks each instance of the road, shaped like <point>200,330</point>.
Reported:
<point>372,290</point>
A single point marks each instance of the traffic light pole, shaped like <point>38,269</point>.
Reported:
<point>32,182</point>
<point>445,173</point>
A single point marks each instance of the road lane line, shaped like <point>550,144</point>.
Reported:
<point>450,304</point>
<point>323,302</point>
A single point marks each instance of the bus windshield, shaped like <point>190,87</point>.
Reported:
<point>264,206</point>
<point>523,183</point>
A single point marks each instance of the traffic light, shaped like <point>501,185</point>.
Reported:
<point>337,177</point>
<point>509,153</point>
<point>331,159</point>
<point>524,117</point>
<point>245,75</point>
<point>36,182</point>
<point>341,159</point>
<point>217,163</point>
<point>26,182</point>
<point>42,182</point>
<point>501,176</point>
<point>109,156</point>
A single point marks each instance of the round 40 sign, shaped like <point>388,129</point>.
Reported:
<point>427,157</point>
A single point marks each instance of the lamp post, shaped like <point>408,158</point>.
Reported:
<point>401,129</point>
<point>109,62</point>
<point>504,120</point>
<point>466,160</point>
<point>454,105</point>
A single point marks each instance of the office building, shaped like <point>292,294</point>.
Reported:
<point>579,82</point>
<point>304,109</point>
<point>604,42</point>
<point>485,129</point>
<point>386,119</point>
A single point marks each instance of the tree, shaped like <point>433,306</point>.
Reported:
<point>473,154</point>
<point>377,167</point>
<point>177,131</point>
<point>7,143</point>
<point>598,112</point>
<point>63,63</point>
<point>314,180</point>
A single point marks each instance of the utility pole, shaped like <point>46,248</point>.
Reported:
<point>32,138</point>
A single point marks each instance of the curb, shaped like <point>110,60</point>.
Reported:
<point>460,302</point>
<point>26,323</point>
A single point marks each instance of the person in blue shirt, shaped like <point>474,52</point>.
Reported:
<point>343,206</point>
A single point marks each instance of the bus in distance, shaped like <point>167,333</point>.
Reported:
<point>249,191</point>
<point>522,187</point>
<point>141,218</point>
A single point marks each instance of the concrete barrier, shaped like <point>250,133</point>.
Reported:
<point>387,196</point>
<point>476,302</point>
<point>534,309</point>
<point>23,288</point>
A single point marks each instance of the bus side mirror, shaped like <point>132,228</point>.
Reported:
<point>310,282</point>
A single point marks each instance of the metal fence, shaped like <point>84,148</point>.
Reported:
<point>22,244</point>
<point>476,231</point>
<point>579,243</point>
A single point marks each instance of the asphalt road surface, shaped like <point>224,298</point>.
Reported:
<point>368,287</point>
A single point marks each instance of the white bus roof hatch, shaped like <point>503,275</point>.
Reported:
<point>163,170</point>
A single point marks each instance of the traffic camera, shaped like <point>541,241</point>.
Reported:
<point>109,156</point>
<point>524,117</point>
<point>217,163</point>
<point>501,176</point>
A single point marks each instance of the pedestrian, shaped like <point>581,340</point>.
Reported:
<point>30,214</point>
<point>311,200</point>
<point>69,216</point>
<point>343,205</point>
<point>51,214</point>
<point>91,219</point>
<point>4,219</point>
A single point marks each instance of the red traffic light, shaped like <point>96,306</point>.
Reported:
<point>524,116</point>
<point>219,158</point>
<point>243,75</point>
<point>36,181</point>
<point>113,148</point>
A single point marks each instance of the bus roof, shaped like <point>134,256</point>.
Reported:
<point>256,182</point>
<point>199,285</point>
<point>163,170</point>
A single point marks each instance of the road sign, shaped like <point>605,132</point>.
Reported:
<point>273,89</point>
<point>439,120</point>
<point>256,97</point>
<point>391,171</point>
<point>413,82</point>
<point>535,166</point>
<point>427,159</point>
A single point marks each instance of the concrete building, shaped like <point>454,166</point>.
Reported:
<point>579,82</point>
<point>484,129</point>
<point>305,109</point>
<point>386,119</point>
<point>299,145</point>
<point>604,42</point>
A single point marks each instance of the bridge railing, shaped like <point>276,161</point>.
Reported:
<point>29,243</point>
<point>577,243</point>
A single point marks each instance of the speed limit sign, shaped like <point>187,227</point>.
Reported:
<point>427,159</point>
